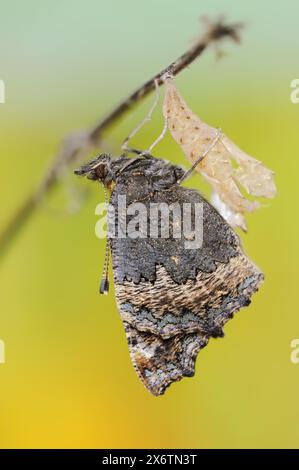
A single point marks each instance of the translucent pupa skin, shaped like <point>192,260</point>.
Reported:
<point>194,136</point>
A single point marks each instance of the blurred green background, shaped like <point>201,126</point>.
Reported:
<point>68,380</point>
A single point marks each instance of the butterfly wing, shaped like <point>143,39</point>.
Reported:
<point>159,362</point>
<point>172,299</point>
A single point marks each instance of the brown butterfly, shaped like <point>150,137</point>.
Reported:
<point>172,297</point>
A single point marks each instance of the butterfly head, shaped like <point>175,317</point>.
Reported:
<point>98,169</point>
<point>108,170</point>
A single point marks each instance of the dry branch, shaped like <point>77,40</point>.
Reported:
<point>76,146</point>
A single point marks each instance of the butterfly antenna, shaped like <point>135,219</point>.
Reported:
<point>104,286</point>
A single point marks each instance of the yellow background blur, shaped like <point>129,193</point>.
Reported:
<point>68,380</point>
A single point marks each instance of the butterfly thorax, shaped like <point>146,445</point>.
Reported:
<point>158,173</point>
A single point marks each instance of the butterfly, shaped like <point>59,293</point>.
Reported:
<point>173,294</point>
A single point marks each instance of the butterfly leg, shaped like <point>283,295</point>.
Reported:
<point>201,157</point>
<point>140,153</point>
<point>141,123</point>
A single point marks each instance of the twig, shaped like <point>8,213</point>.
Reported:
<point>76,146</point>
